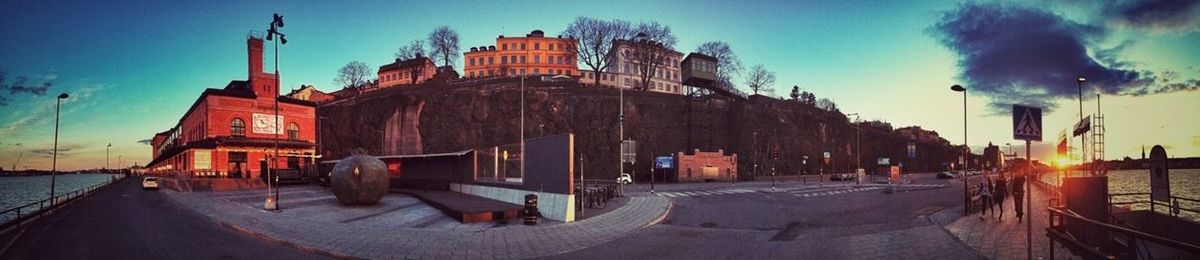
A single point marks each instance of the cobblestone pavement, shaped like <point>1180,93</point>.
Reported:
<point>1005,238</point>
<point>364,241</point>
<point>316,204</point>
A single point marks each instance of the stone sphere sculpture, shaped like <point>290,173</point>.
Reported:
<point>359,180</point>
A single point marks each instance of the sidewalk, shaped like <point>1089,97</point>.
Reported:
<point>355,240</point>
<point>1005,239</point>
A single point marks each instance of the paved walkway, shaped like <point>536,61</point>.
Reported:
<point>1005,238</point>
<point>354,240</point>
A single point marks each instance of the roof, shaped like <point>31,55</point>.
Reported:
<point>418,61</point>
<point>700,56</point>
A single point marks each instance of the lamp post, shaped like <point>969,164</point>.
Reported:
<point>1082,138</point>
<point>273,200</point>
<point>54,161</point>
<point>965,160</point>
<point>106,155</point>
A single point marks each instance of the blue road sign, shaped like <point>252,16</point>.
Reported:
<point>664,162</point>
<point>1027,123</point>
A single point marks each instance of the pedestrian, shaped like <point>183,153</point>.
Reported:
<point>1018,192</point>
<point>985,197</point>
<point>1000,192</point>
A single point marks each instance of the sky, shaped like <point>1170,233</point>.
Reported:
<point>132,68</point>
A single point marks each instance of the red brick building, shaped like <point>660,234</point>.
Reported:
<point>705,166</point>
<point>229,132</point>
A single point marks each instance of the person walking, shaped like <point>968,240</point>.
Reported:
<point>985,196</point>
<point>1000,190</point>
<point>1018,194</point>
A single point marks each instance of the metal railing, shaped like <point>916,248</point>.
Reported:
<point>1057,231</point>
<point>1174,207</point>
<point>33,210</point>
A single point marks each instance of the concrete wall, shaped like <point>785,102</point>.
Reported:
<point>556,206</point>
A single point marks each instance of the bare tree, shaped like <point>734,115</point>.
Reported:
<point>652,45</point>
<point>728,64</point>
<point>827,105</point>
<point>443,43</point>
<point>354,75</point>
<point>760,80</point>
<point>595,41</point>
<point>414,49</point>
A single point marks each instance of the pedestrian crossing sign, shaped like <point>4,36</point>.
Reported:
<point>1027,123</point>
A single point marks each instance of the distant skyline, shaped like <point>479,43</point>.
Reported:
<point>133,68</point>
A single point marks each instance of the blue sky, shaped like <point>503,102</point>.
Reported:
<point>133,67</point>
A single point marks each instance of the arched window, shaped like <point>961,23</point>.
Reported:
<point>293,131</point>
<point>237,127</point>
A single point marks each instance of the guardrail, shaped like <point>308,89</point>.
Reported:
<point>28,212</point>
<point>1057,231</point>
<point>1174,207</point>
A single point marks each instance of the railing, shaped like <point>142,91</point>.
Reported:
<point>27,212</point>
<point>1057,231</point>
<point>596,193</point>
<point>1174,207</point>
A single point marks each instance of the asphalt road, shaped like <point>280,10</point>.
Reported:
<point>867,224</point>
<point>126,222</point>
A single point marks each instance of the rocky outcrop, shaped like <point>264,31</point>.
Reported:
<point>440,117</point>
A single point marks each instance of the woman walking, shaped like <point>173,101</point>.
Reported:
<point>1001,190</point>
<point>985,196</point>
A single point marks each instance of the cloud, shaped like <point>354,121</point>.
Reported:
<point>23,85</point>
<point>1015,54</point>
<point>64,150</point>
<point>145,141</point>
<point>1160,15</point>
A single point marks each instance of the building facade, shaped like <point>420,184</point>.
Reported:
<point>310,93</point>
<point>624,70</point>
<point>533,54</point>
<point>406,72</point>
<point>230,132</point>
<point>705,166</point>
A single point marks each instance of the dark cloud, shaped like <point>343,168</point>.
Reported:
<point>1015,54</point>
<point>20,85</point>
<point>146,141</point>
<point>1159,14</point>
<point>64,150</point>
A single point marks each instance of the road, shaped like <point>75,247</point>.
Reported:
<point>833,221</point>
<point>126,222</point>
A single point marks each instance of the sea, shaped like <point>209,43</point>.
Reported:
<point>1185,183</point>
<point>16,191</point>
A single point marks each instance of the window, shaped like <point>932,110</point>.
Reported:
<point>504,47</point>
<point>537,59</point>
<point>537,46</point>
<point>522,59</point>
<point>472,61</point>
<point>293,131</point>
<point>550,46</point>
<point>522,46</point>
<point>536,71</point>
<point>490,60</point>
<point>503,60</point>
<point>237,127</point>
<point>522,70</point>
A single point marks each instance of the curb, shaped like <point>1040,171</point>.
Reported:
<point>952,236</point>
<point>662,217</point>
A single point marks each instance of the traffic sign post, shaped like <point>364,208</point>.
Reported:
<point>1027,125</point>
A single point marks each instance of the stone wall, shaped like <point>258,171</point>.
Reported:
<point>485,112</point>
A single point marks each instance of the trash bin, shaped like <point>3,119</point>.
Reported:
<point>531,210</point>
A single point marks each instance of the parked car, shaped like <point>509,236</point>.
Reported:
<point>625,179</point>
<point>947,175</point>
<point>843,177</point>
<point>150,183</point>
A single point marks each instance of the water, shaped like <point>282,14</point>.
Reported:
<point>1185,183</point>
<point>20,190</point>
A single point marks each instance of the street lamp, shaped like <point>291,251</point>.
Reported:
<point>965,160</point>
<point>54,161</point>
<point>273,200</point>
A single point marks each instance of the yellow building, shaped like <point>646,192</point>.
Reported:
<point>533,54</point>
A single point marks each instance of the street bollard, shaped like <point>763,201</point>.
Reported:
<point>531,210</point>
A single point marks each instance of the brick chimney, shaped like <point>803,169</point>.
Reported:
<point>261,82</point>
